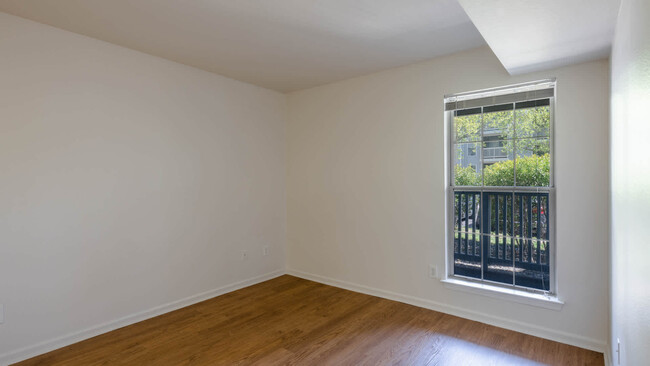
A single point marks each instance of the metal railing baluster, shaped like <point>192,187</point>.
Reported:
<point>505,227</point>
<point>529,240</point>
<point>546,249</point>
<point>466,222</point>
<point>521,227</point>
<point>473,236</point>
<point>498,221</point>
<point>539,229</point>
<point>486,227</point>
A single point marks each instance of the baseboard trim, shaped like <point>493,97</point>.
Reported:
<point>66,340</point>
<point>608,357</point>
<point>538,331</point>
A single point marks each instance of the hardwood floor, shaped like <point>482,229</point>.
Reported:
<point>291,321</point>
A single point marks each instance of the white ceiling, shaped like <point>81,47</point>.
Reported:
<point>284,45</point>
<point>532,35</point>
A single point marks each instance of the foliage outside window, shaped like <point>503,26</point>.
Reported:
<point>516,139</point>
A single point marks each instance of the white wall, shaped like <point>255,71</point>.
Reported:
<point>366,188</point>
<point>630,173</point>
<point>126,182</point>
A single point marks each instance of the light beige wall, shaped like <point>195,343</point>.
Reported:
<point>126,182</point>
<point>630,130</point>
<point>366,188</point>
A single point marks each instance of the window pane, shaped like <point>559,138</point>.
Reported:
<point>467,239</point>
<point>531,245</point>
<point>497,237</point>
<point>533,122</point>
<point>466,211</point>
<point>533,162</point>
<point>467,164</point>
<point>467,263</point>
<point>500,221</point>
<point>499,269</point>
<point>533,269</point>
<point>498,164</point>
<point>531,212</point>
<point>498,125</point>
<point>468,127</point>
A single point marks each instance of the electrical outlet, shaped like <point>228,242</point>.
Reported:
<point>244,255</point>
<point>265,250</point>
<point>618,351</point>
<point>433,271</point>
<point>2,313</point>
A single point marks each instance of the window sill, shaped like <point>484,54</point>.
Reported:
<point>522,297</point>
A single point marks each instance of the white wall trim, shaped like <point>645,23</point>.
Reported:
<point>66,340</point>
<point>535,330</point>
<point>608,357</point>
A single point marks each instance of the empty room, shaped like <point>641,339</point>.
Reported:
<point>324,182</point>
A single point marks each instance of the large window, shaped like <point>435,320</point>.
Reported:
<point>500,195</point>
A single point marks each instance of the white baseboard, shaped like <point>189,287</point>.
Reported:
<point>66,340</point>
<point>608,357</point>
<point>535,330</point>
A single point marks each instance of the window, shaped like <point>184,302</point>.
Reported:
<point>500,193</point>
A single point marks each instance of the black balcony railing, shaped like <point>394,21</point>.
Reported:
<point>502,237</point>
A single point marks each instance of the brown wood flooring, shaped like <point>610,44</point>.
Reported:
<point>292,321</point>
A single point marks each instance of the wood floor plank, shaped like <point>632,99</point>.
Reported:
<point>292,321</point>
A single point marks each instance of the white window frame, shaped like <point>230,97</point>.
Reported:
<point>547,299</point>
